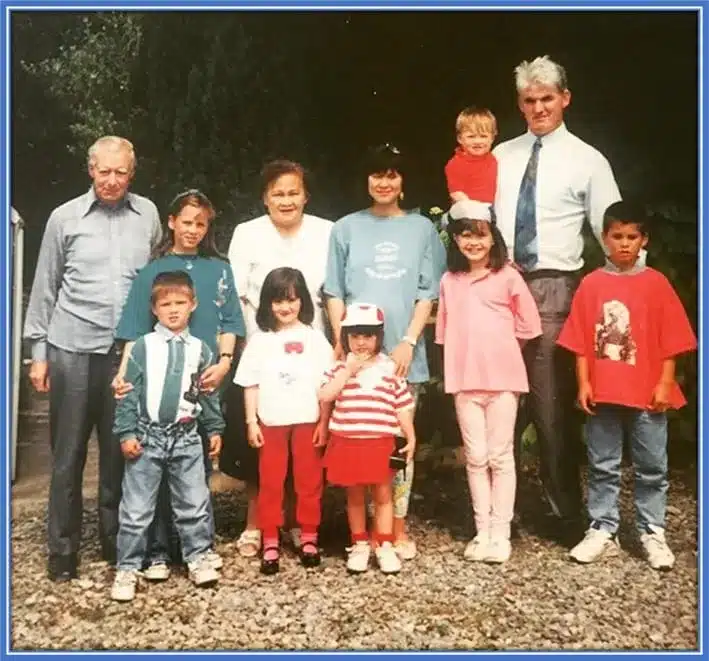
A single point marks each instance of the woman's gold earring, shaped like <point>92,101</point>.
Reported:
<point>401,195</point>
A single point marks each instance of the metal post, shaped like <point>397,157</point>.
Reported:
<point>18,229</point>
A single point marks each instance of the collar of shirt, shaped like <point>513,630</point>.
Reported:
<point>638,267</point>
<point>551,138</point>
<point>168,335</point>
<point>473,158</point>
<point>92,202</point>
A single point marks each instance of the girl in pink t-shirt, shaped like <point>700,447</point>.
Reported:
<point>485,313</point>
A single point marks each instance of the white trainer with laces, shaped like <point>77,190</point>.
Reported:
<point>124,583</point>
<point>358,557</point>
<point>214,559</point>
<point>596,543</point>
<point>157,571</point>
<point>498,550</point>
<point>387,558</point>
<point>201,572</point>
<point>658,554</point>
<point>476,549</point>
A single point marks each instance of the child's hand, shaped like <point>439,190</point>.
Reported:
<point>402,355</point>
<point>120,386</point>
<point>409,449</point>
<point>353,363</point>
<point>585,398</point>
<point>131,449</point>
<point>320,436</point>
<point>253,433</point>
<point>660,400</point>
<point>215,446</point>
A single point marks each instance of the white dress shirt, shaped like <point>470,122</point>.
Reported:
<point>257,248</point>
<point>574,183</point>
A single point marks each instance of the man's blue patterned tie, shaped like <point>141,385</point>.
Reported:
<point>525,252</point>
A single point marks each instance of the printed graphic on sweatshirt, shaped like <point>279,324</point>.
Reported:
<point>222,290</point>
<point>614,336</point>
<point>386,262</point>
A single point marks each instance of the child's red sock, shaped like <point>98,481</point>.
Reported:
<point>360,537</point>
<point>380,538</point>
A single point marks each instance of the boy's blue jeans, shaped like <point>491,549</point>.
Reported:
<point>162,543</point>
<point>647,432</point>
<point>175,451</point>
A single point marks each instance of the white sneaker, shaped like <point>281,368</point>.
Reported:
<point>388,561</point>
<point>201,572</point>
<point>214,559</point>
<point>656,550</point>
<point>476,550</point>
<point>498,550</point>
<point>595,543</point>
<point>157,571</point>
<point>406,549</point>
<point>358,557</point>
<point>123,588</point>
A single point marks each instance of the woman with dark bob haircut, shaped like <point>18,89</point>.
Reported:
<point>394,259</point>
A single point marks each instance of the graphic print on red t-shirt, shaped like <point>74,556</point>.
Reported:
<point>614,335</point>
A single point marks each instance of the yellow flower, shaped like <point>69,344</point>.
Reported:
<point>436,211</point>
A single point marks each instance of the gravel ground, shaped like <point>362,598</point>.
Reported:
<point>537,600</point>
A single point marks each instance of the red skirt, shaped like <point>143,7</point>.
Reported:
<point>353,462</point>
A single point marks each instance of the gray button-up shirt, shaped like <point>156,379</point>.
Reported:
<point>89,256</point>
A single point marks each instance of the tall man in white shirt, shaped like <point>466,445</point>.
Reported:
<point>549,183</point>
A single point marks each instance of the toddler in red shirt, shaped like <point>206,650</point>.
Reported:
<point>626,327</point>
<point>471,173</point>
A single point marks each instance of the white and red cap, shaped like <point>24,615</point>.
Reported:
<point>362,314</point>
<point>471,210</point>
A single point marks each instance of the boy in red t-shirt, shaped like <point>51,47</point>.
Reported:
<point>626,327</point>
<point>471,173</point>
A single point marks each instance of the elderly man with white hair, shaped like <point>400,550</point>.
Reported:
<point>92,248</point>
<point>549,183</point>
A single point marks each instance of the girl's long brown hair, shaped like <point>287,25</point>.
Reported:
<point>195,198</point>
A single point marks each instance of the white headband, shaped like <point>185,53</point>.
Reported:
<point>470,209</point>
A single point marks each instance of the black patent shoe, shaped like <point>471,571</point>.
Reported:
<point>62,568</point>
<point>270,567</point>
<point>309,555</point>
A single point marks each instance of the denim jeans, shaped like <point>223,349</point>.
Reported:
<point>648,445</point>
<point>162,543</point>
<point>175,451</point>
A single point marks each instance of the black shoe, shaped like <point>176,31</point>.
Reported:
<point>309,555</point>
<point>62,568</point>
<point>270,567</point>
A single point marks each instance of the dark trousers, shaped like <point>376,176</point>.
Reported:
<point>80,398</point>
<point>550,404</point>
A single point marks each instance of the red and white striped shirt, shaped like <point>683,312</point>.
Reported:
<point>368,404</point>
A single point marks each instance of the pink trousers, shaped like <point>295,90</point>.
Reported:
<point>487,423</point>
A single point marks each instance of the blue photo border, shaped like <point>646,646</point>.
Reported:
<point>663,95</point>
